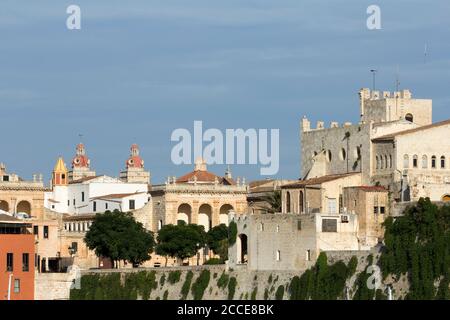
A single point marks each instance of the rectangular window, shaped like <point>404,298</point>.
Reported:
<point>10,262</point>
<point>36,231</point>
<point>74,202</point>
<point>68,203</point>
<point>82,197</point>
<point>17,286</point>
<point>94,206</point>
<point>415,164</point>
<point>299,225</point>
<point>131,205</point>
<point>74,247</point>
<point>382,210</point>
<point>329,225</point>
<point>25,262</point>
<point>308,255</point>
<point>375,209</point>
<point>106,205</point>
<point>45,232</point>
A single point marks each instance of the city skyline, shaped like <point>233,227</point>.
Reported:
<point>231,65</point>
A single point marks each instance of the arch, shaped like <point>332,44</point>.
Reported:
<point>223,213</point>
<point>381,163</point>
<point>378,162</point>
<point>386,163</point>
<point>288,202</point>
<point>415,161</point>
<point>300,202</point>
<point>343,154</point>
<point>329,156</point>
<point>433,162</point>
<point>390,161</point>
<point>446,198</point>
<point>424,162</point>
<point>242,245</point>
<point>4,205</point>
<point>405,161</point>
<point>443,162</point>
<point>24,206</point>
<point>184,213</point>
<point>409,117</point>
<point>204,216</point>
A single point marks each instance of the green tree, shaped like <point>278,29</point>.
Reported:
<point>118,236</point>
<point>217,240</point>
<point>180,241</point>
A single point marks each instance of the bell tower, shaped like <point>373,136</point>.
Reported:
<point>134,168</point>
<point>60,173</point>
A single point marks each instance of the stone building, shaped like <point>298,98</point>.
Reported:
<point>321,194</point>
<point>18,196</point>
<point>199,197</point>
<point>395,144</point>
<point>262,190</point>
<point>371,205</point>
<point>290,241</point>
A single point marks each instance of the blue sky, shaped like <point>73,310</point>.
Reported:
<point>137,70</point>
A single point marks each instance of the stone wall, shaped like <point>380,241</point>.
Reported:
<point>52,286</point>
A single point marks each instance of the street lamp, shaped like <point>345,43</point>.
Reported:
<point>9,285</point>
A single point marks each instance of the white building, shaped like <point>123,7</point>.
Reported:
<point>92,194</point>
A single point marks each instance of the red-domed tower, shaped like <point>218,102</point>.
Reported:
<point>134,172</point>
<point>81,165</point>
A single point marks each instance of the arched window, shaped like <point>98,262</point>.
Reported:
<point>300,202</point>
<point>424,162</point>
<point>433,162</point>
<point>381,163</point>
<point>378,162</point>
<point>390,161</point>
<point>329,156</point>
<point>386,164</point>
<point>415,161</point>
<point>442,162</point>
<point>409,117</point>
<point>405,161</point>
<point>343,154</point>
<point>288,202</point>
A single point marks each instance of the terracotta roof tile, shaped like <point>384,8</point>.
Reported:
<point>318,180</point>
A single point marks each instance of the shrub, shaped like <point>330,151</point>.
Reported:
<point>162,280</point>
<point>231,288</point>
<point>186,285</point>
<point>174,276</point>
<point>266,294</point>
<point>352,265</point>
<point>254,292</point>
<point>232,233</point>
<point>223,280</point>
<point>280,293</point>
<point>200,285</point>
